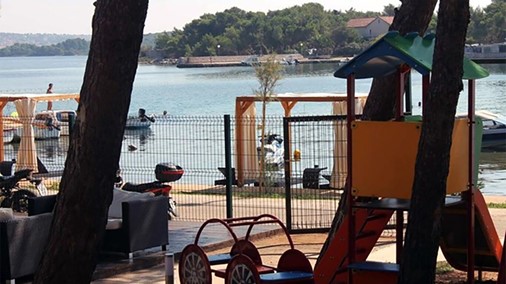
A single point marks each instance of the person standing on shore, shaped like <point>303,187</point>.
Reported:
<point>49,91</point>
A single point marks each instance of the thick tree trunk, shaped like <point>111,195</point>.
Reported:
<point>85,194</point>
<point>412,16</point>
<point>432,165</point>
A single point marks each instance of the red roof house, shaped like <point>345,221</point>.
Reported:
<point>371,27</point>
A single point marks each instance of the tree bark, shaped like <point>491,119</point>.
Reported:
<point>412,16</point>
<point>85,193</point>
<point>432,164</point>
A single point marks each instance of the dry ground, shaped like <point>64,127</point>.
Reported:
<point>271,249</point>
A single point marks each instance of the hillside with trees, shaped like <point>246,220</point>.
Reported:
<point>61,45</point>
<point>76,46</point>
<point>8,39</point>
<point>302,29</point>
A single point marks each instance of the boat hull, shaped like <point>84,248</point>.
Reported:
<point>44,133</point>
<point>59,118</point>
<point>494,129</point>
<point>494,138</point>
<point>137,123</point>
<point>9,135</point>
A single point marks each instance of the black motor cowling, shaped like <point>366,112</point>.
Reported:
<point>167,172</point>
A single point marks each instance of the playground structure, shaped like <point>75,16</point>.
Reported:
<point>381,165</point>
<point>381,162</point>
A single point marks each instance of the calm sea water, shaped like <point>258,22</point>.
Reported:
<point>212,91</point>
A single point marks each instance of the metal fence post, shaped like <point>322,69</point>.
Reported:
<point>72,121</point>
<point>288,186</point>
<point>169,268</point>
<point>228,165</point>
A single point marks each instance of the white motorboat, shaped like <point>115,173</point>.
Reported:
<point>57,118</point>
<point>273,152</point>
<point>9,135</point>
<point>137,123</point>
<point>43,132</point>
<point>494,129</point>
<point>140,121</point>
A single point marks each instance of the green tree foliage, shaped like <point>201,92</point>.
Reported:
<point>76,46</point>
<point>296,29</point>
<point>488,25</point>
<point>301,29</point>
<point>389,10</point>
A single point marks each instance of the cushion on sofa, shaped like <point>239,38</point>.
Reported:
<point>119,196</point>
<point>114,223</point>
<point>22,243</point>
<point>6,214</point>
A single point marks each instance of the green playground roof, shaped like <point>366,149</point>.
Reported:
<point>387,53</point>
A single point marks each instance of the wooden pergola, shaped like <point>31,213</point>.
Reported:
<point>25,106</point>
<point>244,111</point>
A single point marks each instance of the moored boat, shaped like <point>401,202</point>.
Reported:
<point>494,129</point>
<point>58,118</point>
<point>141,121</point>
<point>9,135</point>
<point>43,132</point>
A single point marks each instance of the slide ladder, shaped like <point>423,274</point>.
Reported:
<point>369,224</point>
<point>501,277</point>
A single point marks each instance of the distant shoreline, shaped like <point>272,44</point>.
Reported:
<point>239,60</point>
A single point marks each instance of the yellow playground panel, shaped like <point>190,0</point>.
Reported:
<point>384,155</point>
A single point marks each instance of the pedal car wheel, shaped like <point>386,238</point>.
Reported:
<point>20,200</point>
<point>194,267</point>
<point>241,270</point>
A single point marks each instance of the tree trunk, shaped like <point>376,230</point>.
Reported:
<point>412,16</point>
<point>85,194</point>
<point>433,160</point>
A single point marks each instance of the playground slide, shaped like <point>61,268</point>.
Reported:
<point>488,247</point>
<point>369,224</point>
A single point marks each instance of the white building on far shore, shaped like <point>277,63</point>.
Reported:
<point>370,28</point>
<point>486,51</point>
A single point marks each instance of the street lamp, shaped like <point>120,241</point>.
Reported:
<point>301,44</point>
<point>218,49</point>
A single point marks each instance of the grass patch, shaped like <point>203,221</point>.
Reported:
<point>442,267</point>
<point>497,205</point>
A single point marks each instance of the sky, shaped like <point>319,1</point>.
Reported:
<point>74,16</point>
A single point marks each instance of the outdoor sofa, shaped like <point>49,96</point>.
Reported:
<point>136,221</point>
<point>22,243</point>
